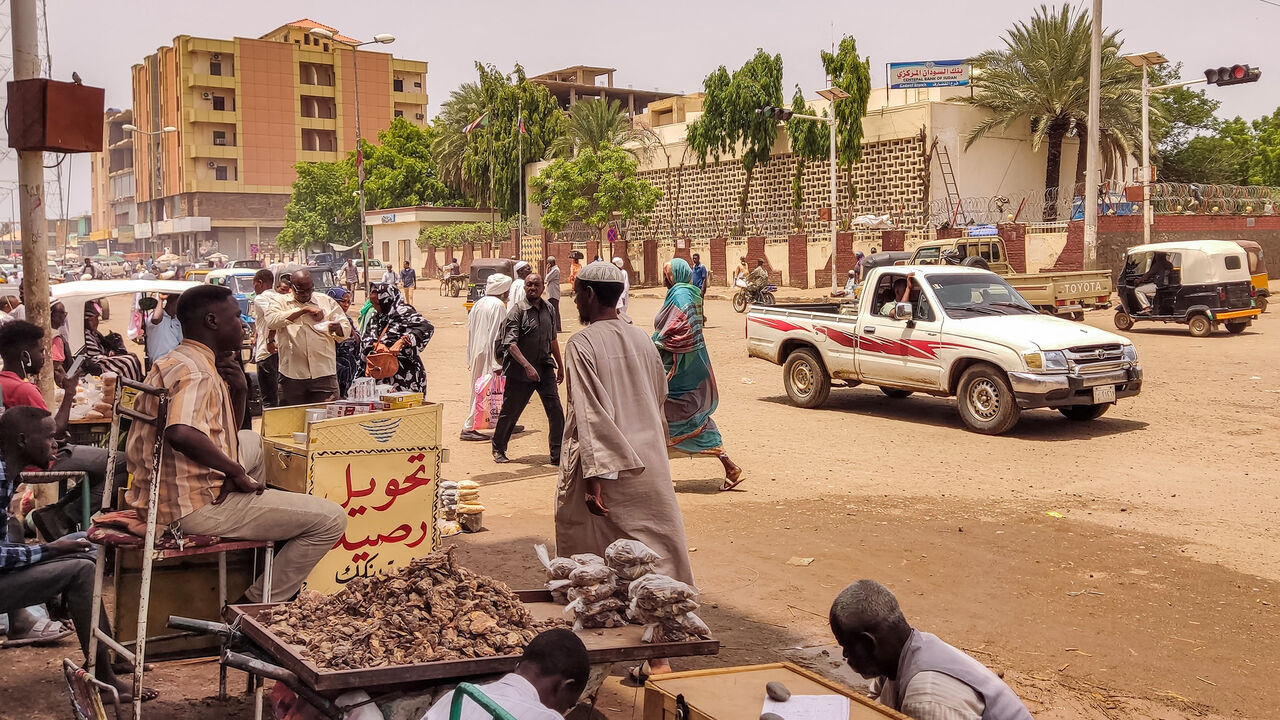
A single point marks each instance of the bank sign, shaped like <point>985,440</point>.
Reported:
<point>928,74</point>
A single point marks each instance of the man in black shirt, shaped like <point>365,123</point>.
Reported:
<point>531,364</point>
<point>1156,277</point>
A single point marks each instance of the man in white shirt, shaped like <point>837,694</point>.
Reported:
<point>516,296</point>
<point>308,327</point>
<point>265,353</point>
<point>546,684</point>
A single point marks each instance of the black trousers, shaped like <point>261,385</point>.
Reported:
<point>516,396</point>
<point>555,309</point>
<point>269,380</point>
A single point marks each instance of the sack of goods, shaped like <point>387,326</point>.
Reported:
<point>630,559</point>
<point>665,606</point>
<point>559,568</point>
<point>447,522</point>
<point>470,511</point>
<point>592,589</point>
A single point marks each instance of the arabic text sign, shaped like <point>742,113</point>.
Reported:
<point>929,73</point>
<point>390,500</point>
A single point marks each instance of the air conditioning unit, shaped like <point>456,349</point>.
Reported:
<point>206,95</point>
<point>213,164</point>
<point>420,116</point>
<point>219,141</point>
<point>216,56</point>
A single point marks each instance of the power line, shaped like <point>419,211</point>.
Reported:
<point>1270,2</point>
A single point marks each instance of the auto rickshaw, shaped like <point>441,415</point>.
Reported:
<point>1208,286</point>
<point>481,269</point>
<point>1257,272</point>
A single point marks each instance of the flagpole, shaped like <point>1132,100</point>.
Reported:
<point>493,231</point>
<point>520,165</point>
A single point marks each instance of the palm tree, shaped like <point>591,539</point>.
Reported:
<point>449,142</point>
<point>1042,75</point>
<point>592,122</point>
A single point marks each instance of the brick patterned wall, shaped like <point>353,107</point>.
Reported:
<point>1015,242</point>
<point>798,261</point>
<point>845,260</point>
<point>893,240</point>
<point>887,181</point>
<point>1116,234</point>
<point>718,261</point>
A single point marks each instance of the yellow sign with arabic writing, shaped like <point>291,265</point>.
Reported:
<point>390,500</point>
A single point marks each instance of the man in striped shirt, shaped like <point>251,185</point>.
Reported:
<point>210,472</point>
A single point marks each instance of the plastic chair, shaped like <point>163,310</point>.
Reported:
<point>123,407</point>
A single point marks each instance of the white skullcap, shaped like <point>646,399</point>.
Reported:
<point>519,264</point>
<point>497,284</point>
<point>601,271</point>
<point>618,262</point>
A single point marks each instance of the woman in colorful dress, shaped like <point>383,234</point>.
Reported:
<point>692,396</point>
<point>402,329</point>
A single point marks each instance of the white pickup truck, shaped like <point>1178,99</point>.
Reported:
<point>965,332</point>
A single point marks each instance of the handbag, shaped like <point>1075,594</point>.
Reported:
<point>381,363</point>
<point>488,401</point>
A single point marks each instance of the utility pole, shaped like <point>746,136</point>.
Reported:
<point>35,246</point>
<point>1094,131</point>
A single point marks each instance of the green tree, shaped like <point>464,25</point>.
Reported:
<point>400,170</point>
<point>1180,113</point>
<point>1222,158</point>
<point>591,122</point>
<point>810,140</point>
<point>1264,166</point>
<point>730,123</point>
<point>850,73</point>
<point>449,142</point>
<point>321,208</point>
<point>597,186</point>
<point>1042,76</point>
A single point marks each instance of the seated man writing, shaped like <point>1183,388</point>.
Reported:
<point>546,684</point>
<point>210,476</point>
<point>33,574</point>
<point>914,672</point>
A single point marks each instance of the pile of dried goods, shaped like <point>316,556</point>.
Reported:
<point>430,611</point>
<point>665,606</point>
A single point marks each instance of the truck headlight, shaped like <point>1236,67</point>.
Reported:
<point>1049,361</point>
<point>1129,353</point>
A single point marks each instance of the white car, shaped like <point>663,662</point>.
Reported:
<point>963,332</point>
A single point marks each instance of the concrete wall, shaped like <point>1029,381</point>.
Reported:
<point>1116,234</point>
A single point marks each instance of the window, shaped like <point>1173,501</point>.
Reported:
<point>219,137</point>
<point>1233,262</point>
<point>306,39</point>
<point>884,297</point>
<point>397,85</point>
<point>220,172</point>
<point>417,83</point>
<point>326,47</point>
<point>1253,263</point>
<point>219,102</point>
<point>927,255</point>
<point>399,113</point>
<point>215,68</point>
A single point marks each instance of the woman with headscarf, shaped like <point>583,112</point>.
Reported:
<point>691,385</point>
<point>108,350</point>
<point>349,357</point>
<point>401,329</point>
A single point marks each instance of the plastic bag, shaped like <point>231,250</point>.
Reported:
<point>587,559</point>
<point>624,552</point>
<point>488,400</point>
<point>559,590</point>
<point>593,575</point>
<point>591,593</point>
<point>557,568</point>
<point>654,592</point>
<point>628,573</point>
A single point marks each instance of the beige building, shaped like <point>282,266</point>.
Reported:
<point>395,231</point>
<point>246,111</point>
<point>114,208</point>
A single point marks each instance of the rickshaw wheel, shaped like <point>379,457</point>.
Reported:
<point>1235,328</point>
<point>1123,320</point>
<point>1262,303</point>
<point>1199,326</point>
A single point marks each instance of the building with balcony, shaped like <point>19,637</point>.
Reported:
<point>247,110</point>
<point>114,208</point>
<point>584,82</point>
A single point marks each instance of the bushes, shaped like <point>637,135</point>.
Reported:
<point>457,234</point>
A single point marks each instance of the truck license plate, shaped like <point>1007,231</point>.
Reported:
<point>1104,394</point>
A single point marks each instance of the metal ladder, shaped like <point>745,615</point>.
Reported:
<point>948,179</point>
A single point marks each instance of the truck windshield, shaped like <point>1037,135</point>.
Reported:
<point>240,284</point>
<point>926,256</point>
<point>977,294</point>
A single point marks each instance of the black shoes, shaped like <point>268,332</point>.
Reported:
<point>500,457</point>
<point>473,436</point>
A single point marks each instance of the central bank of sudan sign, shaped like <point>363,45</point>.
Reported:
<point>928,74</point>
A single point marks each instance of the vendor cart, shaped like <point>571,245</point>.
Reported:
<point>739,692</point>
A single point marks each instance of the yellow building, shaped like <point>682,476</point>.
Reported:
<point>246,111</point>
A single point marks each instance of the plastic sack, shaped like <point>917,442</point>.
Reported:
<point>628,573</point>
<point>623,552</point>
<point>584,575</point>
<point>557,568</point>
<point>488,400</point>
<point>587,559</point>
<point>654,592</point>
<point>591,593</point>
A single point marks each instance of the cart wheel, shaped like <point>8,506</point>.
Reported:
<point>1123,320</point>
<point>1262,303</point>
<point>1235,328</point>
<point>1199,326</point>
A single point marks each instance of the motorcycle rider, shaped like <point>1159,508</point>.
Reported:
<point>757,279</point>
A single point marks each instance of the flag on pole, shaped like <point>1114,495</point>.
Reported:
<point>360,162</point>
<point>522,132</point>
<point>482,121</point>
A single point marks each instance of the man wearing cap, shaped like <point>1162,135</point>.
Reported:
<point>522,271</point>
<point>484,325</point>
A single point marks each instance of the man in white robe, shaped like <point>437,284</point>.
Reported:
<point>484,325</point>
<point>516,295</point>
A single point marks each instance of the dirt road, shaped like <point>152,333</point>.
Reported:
<point>1155,594</point>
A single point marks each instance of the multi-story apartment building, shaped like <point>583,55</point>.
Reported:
<point>245,112</point>
<point>114,206</point>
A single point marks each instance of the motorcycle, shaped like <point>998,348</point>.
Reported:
<point>745,297</point>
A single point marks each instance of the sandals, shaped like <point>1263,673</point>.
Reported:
<point>44,632</point>
<point>734,479</point>
<point>639,674</point>
<point>148,694</point>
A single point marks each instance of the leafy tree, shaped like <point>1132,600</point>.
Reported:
<point>591,122</point>
<point>1222,158</point>
<point>321,208</point>
<point>449,142</point>
<point>400,171</point>
<point>594,187</point>
<point>809,141</point>
<point>1179,113</point>
<point>850,73</point>
<point>1042,76</point>
<point>1264,166</point>
<point>730,123</point>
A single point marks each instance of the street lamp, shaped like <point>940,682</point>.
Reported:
<point>151,180</point>
<point>1144,61</point>
<point>382,39</point>
<point>833,94</point>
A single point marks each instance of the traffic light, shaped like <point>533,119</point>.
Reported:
<point>777,113</point>
<point>1234,75</point>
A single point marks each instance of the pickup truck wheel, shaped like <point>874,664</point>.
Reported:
<point>1124,321</point>
<point>1084,413</point>
<point>806,379</point>
<point>1077,316</point>
<point>1235,328</point>
<point>986,400</point>
<point>896,393</point>
<point>1199,326</point>
<point>740,301</point>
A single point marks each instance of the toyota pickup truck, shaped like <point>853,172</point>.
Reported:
<point>1067,293</point>
<point>963,332</point>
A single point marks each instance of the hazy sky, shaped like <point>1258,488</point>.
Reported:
<point>653,43</point>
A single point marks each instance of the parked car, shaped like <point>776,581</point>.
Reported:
<point>966,332</point>
<point>247,263</point>
<point>240,281</point>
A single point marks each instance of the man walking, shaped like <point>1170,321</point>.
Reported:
<point>350,275</point>
<point>532,364</point>
<point>266,357</point>
<point>699,275</point>
<point>308,327</point>
<point>484,325</point>
<point>408,280</point>
<point>552,279</point>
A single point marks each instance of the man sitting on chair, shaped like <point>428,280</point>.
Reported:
<point>210,471</point>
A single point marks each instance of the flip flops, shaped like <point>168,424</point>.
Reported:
<point>44,632</point>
